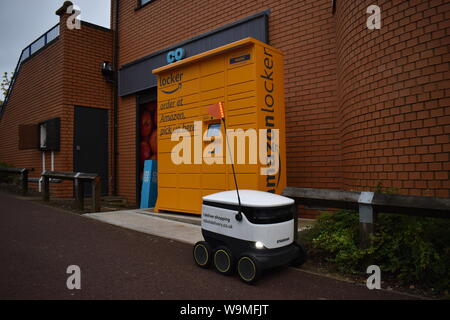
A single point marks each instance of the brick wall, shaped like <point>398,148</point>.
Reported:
<point>303,30</point>
<point>126,175</point>
<point>37,96</point>
<point>394,89</point>
<point>363,108</point>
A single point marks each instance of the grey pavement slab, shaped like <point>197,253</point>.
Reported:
<point>151,224</point>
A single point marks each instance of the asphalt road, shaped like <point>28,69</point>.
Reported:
<point>38,243</point>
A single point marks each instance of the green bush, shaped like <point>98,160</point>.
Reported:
<point>411,250</point>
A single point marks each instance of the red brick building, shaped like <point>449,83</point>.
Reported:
<point>363,107</point>
<point>59,76</point>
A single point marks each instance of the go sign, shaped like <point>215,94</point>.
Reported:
<point>176,55</point>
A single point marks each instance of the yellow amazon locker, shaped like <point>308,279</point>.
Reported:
<point>246,78</point>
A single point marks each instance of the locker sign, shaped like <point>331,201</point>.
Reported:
<point>176,55</point>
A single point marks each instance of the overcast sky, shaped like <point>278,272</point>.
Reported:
<point>23,21</point>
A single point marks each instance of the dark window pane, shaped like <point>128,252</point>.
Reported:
<point>144,2</point>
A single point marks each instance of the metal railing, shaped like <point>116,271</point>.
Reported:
<point>23,174</point>
<point>49,177</point>
<point>369,204</point>
<point>79,179</point>
<point>27,53</point>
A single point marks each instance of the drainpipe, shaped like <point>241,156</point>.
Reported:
<point>115,93</point>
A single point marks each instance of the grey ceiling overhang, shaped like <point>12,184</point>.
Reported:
<point>137,76</point>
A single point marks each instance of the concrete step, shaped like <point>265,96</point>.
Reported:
<point>114,201</point>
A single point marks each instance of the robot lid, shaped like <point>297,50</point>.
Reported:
<point>249,198</point>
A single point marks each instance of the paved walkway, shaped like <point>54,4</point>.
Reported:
<point>38,243</point>
<point>157,225</point>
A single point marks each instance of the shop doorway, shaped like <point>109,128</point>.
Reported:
<point>146,133</point>
<point>90,153</point>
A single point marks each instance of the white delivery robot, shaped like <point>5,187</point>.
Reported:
<point>248,231</point>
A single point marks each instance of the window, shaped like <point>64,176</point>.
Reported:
<point>143,2</point>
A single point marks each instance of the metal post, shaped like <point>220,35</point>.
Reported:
<point>367,219</point>
<point>96,194</point>
<point>79,194</point>
<point>46,187</point>
<point>24,182</point>
<point>43,170</point>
